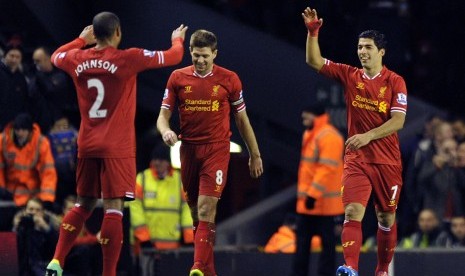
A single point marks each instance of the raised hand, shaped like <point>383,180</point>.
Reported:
<point>179,32</point>
<point>311,21</point>
<point>88,35</point>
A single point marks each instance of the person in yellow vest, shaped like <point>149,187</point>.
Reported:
<point>160,216</point>
<point>27,167</point>
<point>319,184</point>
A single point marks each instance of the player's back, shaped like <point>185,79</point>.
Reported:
<point>106,87</point>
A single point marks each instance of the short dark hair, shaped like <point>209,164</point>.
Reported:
<point>203,38</point>
<point>105,24</point>
<point>317,108</point>
<point>23,121</point>
<point>162,152</point>
<point>11,47</point>
<point>378,38</point>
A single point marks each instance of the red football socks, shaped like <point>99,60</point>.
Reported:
<point>351,239</point>
<point>111,239</point>
<point>387,240</point>
<point>70,228</point>
<point>203,247</point>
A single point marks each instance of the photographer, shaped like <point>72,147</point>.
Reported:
<point>441,182</point>
<point>37,231</point>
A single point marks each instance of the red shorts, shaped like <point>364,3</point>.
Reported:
<point>204,169</point>
<point>360,178</point>
<point>106,177</point>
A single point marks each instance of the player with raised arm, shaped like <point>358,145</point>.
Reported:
<point>376,100</point>
<point>105,80</point>
<point>206,94</point>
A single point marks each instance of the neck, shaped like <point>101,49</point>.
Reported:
<point>373,71</point>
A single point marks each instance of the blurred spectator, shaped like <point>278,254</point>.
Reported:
<point>414,153</point>
<point>461,156</point>
<point>37,232</point>
<point>14,97</point>
<point>85,258</point>
<point>284,240</point>
<point>429,233</point>
<point>63,141</point>
<point>26,163</point>
<point>458,127</point>
<point>441,183</point>
<point>52,90</point>
<point>457,232</point>
<point>160,216</point>
<point>318,189</point>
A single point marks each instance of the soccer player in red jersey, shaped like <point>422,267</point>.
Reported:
<point>105,80</point>
<point>206,94</point>
<point>376,100</point>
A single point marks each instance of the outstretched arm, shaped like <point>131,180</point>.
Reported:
<point>85,38</point>
<point>313,24</point>
<point>248,135</point>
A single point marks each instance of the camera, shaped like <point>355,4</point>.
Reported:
<point>27,221</point>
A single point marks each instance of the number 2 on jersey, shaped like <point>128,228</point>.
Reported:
<point>94,111</point>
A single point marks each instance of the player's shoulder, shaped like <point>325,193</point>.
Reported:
<point>184,71</point>
<point>219,70</point>
<point>393,75</point>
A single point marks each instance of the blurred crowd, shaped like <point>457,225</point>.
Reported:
<point>39,122</point>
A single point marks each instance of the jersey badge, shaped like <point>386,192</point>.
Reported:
<point>148,53</point>
<point>382,91</point>
<point>187,89</point>
<point>402,98</point>
<point>360,86</point>
<point>215,90</point>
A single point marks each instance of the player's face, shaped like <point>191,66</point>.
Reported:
<point>368,54</point>
<point>203,58</point>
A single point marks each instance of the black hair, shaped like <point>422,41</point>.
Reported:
<point>105,24</point>
<point>378,38</point>
<point>161,151</point>
<point>23,121</point>
<point>317,108</point>
<point>203,38</point>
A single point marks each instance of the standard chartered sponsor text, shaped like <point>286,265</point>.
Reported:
<point>197,105</point>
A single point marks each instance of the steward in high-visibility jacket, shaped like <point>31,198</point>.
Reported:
<point>320,169</point>
<point>26,162</point>
<point>160,213</point>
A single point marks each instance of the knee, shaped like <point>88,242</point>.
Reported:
<point>386,219</point>
<point>354,211</point>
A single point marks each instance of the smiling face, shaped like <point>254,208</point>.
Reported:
<point>368,53</point>
<point>203,58</point>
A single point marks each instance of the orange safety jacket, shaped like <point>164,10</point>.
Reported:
<point>320,169</point>
<point>28,171</point>
<point>284,241</point>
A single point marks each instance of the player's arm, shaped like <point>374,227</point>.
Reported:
<point>248,135</point>
<point>163,126</point>
<point>85,38</point>
<point>313,24</point>
<point>394,124</point>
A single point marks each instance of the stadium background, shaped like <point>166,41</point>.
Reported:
<point>264,41</point>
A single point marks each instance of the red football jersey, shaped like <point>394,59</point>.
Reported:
<point>105,81</point>
<point>370,102</point>
<point>204,103</point>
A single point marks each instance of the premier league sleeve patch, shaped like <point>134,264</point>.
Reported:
<point>402,98</point>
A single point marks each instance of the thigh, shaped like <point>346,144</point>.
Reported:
<point>190,173</point>
<point>88,177</point>
<point>356,186</point>
<point>214,169</point>
<point>387,184</point>
<point>118,178</point>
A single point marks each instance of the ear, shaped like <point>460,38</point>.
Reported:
<point>382,52</point>
<point>215,53</point>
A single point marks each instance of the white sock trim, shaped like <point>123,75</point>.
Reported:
<point>114,211</point>
<point>383,228</point>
